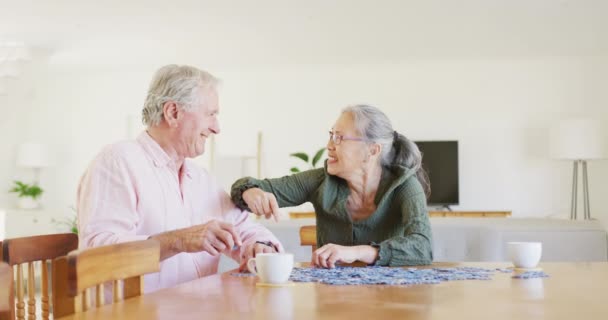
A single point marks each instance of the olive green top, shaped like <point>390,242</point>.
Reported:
<point>399,227</point>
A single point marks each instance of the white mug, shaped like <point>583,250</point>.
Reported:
<point>271,267</point>
<point>525,254</point>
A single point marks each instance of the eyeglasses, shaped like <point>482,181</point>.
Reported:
<point>337,138</point>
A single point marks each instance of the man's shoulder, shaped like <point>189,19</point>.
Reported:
<point>122,151</point>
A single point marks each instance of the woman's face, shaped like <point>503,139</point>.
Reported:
<point>347,157</point>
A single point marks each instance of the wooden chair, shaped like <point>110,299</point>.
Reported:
<point>308,236</point>
<point>32,250</point>
<point>6,292</point>
<point>77,273</point>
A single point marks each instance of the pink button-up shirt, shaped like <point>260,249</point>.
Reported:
<point>133,190</point>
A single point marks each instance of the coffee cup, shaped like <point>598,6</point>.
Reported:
<point>272,268</point>
<point>524,254</point>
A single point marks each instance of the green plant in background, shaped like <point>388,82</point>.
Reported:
<point>70,222</point>
<point>304,157</point>
<point>26,190</point>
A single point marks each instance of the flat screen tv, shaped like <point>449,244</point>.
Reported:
<point>440,160</point>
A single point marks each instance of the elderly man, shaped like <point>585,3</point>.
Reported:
<point>147,188</point>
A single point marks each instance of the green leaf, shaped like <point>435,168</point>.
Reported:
<point>317,157</point>
<point>25,190</point>
<point>295,170</point>
<point>34,191</point>
<point>300,155</point>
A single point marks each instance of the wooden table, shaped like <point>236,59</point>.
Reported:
<point>573,291</point>
<point>432,214</point>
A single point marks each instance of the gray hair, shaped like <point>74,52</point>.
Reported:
<point>181,84</point>
<point>374,126</point>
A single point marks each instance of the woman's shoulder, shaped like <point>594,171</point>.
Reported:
<point>313,174</point>
<point>411,188</point>
<point>402,181</point>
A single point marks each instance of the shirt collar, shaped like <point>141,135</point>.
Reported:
<point>159,156</point>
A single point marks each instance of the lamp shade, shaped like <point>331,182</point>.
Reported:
<point>2,224</point>
<point>578,139</point>
<point>9,69</point>
<point>32,155</point>
<point>22,53</point>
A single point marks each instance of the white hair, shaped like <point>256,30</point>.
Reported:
<point>182,84</point>
<point>374,126</point>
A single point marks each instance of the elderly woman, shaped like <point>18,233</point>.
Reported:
<point>370,199</point>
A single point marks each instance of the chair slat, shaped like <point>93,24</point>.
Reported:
<point>133,287</point>
<point>116,291</point>
<point>86,300</point>
<point>62,303</point>
<point>31,292</point>
<point>7,300</point>
<point>45,290</point>
<point>20,299</point>
<point>99,295</point>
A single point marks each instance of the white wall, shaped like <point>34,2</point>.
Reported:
<point>493,74</point>
<point>499,109</point>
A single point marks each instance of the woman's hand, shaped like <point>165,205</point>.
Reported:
<point>328,255</point>
<point>262,203</point>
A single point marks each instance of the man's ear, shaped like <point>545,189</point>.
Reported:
<point>171,113</point>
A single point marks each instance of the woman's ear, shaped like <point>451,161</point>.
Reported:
<point>171,113</point>
<point>375,149</point>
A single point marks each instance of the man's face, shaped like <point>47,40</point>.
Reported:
<point>197,124</point>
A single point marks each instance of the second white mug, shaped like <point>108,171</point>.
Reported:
<point>271,267</point>
<point>525,254</point>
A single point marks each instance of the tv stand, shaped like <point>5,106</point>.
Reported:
<point>470,214</point>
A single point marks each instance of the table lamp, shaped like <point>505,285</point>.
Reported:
<point>33,156</point>
<point>578,140</point>
<point>2,224</point>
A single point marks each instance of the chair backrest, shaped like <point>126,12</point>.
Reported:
<point>32,250</point>
<point>308,236</point>
<point>6,292</point>
<point>122,265</point>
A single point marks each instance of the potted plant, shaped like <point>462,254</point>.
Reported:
<point>69,223</point>
<point>304,157</point>
<point>28,195</point>
<point>305,210</point>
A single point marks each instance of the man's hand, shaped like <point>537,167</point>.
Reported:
<point>262,203</point>
<point>251,251</point>
<point>213,237</point>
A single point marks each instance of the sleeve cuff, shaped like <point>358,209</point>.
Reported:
<point>384,253</point>
<point>237,195</point>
